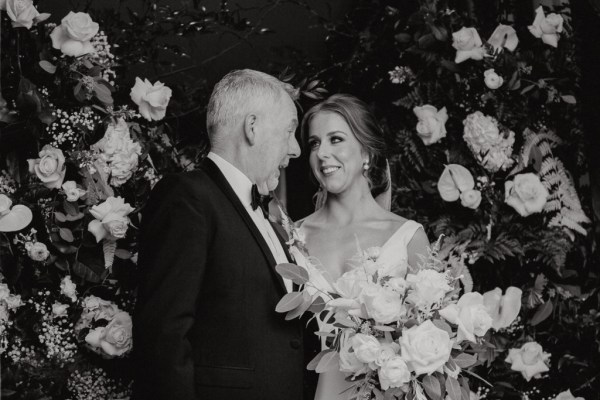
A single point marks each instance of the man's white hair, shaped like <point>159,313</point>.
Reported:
<point>239,93</point>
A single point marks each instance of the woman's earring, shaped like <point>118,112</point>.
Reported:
<point>366,165</point>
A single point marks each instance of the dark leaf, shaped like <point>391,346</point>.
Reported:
<point>543,312</point>
<point>48,67</point>
<point>432,387</point>
<point>85,272</point>
<point>66,234</point>
<point>453,388</point>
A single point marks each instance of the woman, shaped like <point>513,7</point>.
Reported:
<point>346,157</point>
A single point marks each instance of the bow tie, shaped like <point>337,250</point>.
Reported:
<point>259,200</point>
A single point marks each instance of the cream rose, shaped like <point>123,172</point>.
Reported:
<point>59,309</point>
<point>111,219</point>
<point>526,194</point>
<point>351,283</point>
<point>72,192</point>
<point>5,204</point>
<point>22,13</point>
<point>152,100</point>
<point>428,288</point>
<point>115,339</point>
<point>503,309</point>
<point>68,288</point>
<point>492,79</point>
<point>382,304</point>
<point>394,373</point>
<point>387,351</point>
<point>38,251</point>
<point>470,198</point>
<point>470,315</point>
<point>50,167</point>
<point>72,37</point>
<point>547,27</point>
<point>468,45</point>
<point>432,123</point>
<point>349,363</point>
<point>529,360</point>
<point>567,395</point>
<point>366,347</point>
<point>425,348</point>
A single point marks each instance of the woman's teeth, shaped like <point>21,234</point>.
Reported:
<point>329,170</point>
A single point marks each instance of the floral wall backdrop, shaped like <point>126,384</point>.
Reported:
<point>481,108</point>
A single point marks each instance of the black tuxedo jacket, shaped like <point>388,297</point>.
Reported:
<point>205,325</point>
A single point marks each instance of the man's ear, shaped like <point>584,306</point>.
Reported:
<point>249,126</point>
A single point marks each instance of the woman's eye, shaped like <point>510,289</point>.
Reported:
<point>336,139</point>
<point>313,144</point>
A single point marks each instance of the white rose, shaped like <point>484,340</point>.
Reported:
<point>470,199</point>
<point>526,194</point>
<point>428,287</point>
<point>387,351</point>
<point>111,219</point>
<point>382,304</point>
<point>492,79</point>
<point>425,348</point>
<point>394,373</point>
<point>50,167</point>
<point>72,37</point>
<point>72,191</point>
<point>366,347</point>
<point>349,363</point>
<point>530,360</point>
<point>432,123</point>
<point>38,252</point>
<point>13,301</point>
<point>567,395</point>
<point>5,204</point>
<point>481,132</point>
<point>468,45</point>
<point>93,303</point>
<point>398,285</point>
<point>4,291</point>
<point>503,309</point>
<point>115,339</point>
<point>59,310</point>
<point>470,315</point>
<point>107,311</point>
<point>351,283</point>
<point>22,13</point>
<point>152,100</point>
<point>547,27</point>
<point>68,288</point>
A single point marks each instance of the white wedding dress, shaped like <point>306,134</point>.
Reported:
<point>332,384</point>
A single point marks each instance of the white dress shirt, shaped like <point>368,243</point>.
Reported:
<point>242,186</point>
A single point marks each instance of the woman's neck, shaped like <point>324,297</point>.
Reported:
<point>350,206</point>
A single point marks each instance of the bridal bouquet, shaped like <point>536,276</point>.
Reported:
<point>397,334</point>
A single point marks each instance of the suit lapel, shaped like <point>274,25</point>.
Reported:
<point>281,234</point>
<point>217,176</point>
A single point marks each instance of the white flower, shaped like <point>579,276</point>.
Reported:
<point>115,339</point>
<point>4,291</point>
<point>38,251</point>
<point>111,219</point>
<point>425,348</point>
<point>22,13</point>
<point>468,45</point>
<point>151,99</point>
<point>455,180</point>
<point>432,123</point>
<point>429,288</point>
<point>387,351</point>
<point>503,309</point>
<point>398,285</point>
<point>483,137</point>
<point>382,304</point>
<point>394,373</point>
<point>59,309</point>
<point>492,79</point>
<point>119,151</point>
<point>471,316</point>
<point>50,167</point>
<point>351,283</point>
<point>68,288</point>
<point>13,301</point>
<point>567,395</point>
<point>349,363</point>
<point>504,36</point>
<point>526,194</point>
<point>5,204</point>
<point>470,198</point>
<point>546,27</point>
<point>73,192</point>
<point>366,347</point>
<point>530,360</point>
<point>72,37</point>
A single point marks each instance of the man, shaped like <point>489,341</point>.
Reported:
<point>205,325</point>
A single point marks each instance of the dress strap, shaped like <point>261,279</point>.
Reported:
<point>404,234</point>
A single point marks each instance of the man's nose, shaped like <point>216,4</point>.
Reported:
<point>294,148</point>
